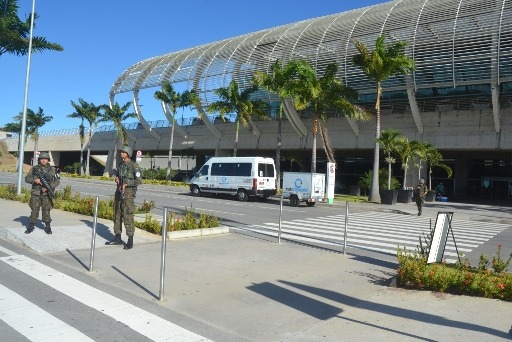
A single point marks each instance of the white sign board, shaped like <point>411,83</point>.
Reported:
<point>438,243</point>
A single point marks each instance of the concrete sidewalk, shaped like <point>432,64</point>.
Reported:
<point>258,290</point>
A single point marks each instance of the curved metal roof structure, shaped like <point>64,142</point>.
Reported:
<point>453,43</point>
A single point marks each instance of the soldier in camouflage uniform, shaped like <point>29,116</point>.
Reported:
<point>128,177</point>
<point>420,193</point>
<point>40,195</point>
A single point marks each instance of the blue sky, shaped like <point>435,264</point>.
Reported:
<point>102,38</point>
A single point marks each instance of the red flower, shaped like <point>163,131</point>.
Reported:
<point>501,286</point>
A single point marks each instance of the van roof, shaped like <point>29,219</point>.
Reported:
<point>231,159</point>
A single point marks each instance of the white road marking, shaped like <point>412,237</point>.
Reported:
<point>33,322</point>
<point>7,251</point>
<point>145,323</point>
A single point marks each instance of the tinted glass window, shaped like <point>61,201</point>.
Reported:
<point>243,169</point>
<point>265,170</point>
<point>231,169</point>
<point>222,169</point>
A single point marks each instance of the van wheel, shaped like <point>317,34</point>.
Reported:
<point>294,201</point>
<point>310,204</point>
<point>242,196</point>
<point>196,191</point>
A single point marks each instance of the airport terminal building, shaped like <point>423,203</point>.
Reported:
<point>459,97</point>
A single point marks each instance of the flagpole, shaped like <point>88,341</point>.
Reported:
<point>21,151</point>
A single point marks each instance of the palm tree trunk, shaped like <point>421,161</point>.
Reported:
<point>389,173</point>
<point>374,192</point>
<point>34,162</point>
<point>405,173</point>
<point>168,176</point>
<point>236,137</point>
<point>313,151</point>
<point>88,153</point>
<point>313,155</point>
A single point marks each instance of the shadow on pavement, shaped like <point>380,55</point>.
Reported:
<point>376,262</point>
<point>135,282</point>
<point>391,310</point>
<point>78,260</point>
<point>297,301</point>
<point>101,229</point>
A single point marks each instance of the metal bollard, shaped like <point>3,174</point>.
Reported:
<point>346,228</point>
<point>162,263</point>
<point>93,238</point>
<point>280,214</point>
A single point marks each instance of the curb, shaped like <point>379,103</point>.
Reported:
<point>183,234</point>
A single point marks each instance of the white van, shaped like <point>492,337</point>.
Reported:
<point>240,176</point>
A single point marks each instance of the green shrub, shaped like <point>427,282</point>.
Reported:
<point>414,272</point>
<point>366,181</point>
<point>150,225</point>
<point>85,206</point>
<point>191,220</point>
<point>147,206</point>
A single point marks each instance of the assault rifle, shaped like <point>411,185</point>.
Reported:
<point>120,185</point>
<point>45,183</point>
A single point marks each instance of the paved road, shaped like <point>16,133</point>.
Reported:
<point>236,287</point>
<point>384,234</point>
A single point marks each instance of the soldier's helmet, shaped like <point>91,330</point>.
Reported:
<point>44,155</point>
<point>128,150</point>
<point>422,181</point>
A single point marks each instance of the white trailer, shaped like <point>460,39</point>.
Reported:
<point>303,187</point>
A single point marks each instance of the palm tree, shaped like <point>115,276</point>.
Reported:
<point>285,82</point>
<point>419,155</point>
<point>34,122</point>
<point>232,100</point>
<point>90,112</point>
<point>294,158</point>
<point>379,65</point>
<point>14,127</point>
<point>324,95</point>
<point>14,32</point>
<point>405,153</point>
<point>434,159</point>
<point>175,100</point>
<point>390,141</point>
<point>117,114</point>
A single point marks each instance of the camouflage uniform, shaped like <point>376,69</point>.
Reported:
<point>38,198</point>
<point>129,174</point>
<point>420,193</point>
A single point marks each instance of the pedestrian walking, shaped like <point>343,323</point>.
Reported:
<point>420,194</point>
<point>44,179</point>
<point>128,178</point>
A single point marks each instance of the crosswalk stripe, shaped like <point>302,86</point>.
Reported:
<point>143,322</point>
<point>41,326</point>
<point>381,232</point>
<point>7,251</point>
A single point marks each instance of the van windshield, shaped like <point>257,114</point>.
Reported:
<point>204,170</point>
<point>265,170</point>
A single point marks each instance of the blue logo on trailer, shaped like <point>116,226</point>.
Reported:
<point>298,186</point>
<point>223,181</point>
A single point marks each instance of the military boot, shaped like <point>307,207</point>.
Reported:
<point>129,244</point>
<point>48,229</point>
<point>116,241</point>
<point>30,228</point>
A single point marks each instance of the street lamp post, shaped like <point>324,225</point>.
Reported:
<point>24,120</point>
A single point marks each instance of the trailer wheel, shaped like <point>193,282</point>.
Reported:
<point>294,201</point>
<point>196,191</point>
<point>242,196</point>
<point>310,204</point>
